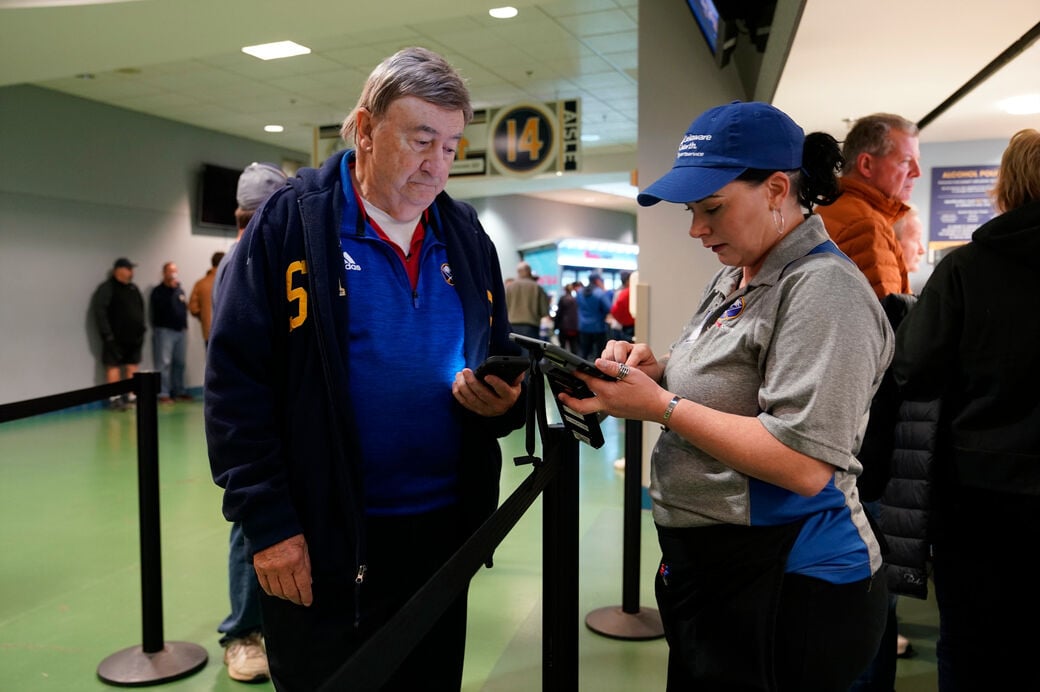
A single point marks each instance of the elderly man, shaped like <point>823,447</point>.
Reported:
<point>881,163</point>
<point>345,424</point>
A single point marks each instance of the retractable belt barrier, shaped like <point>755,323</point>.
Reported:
<point>555,477</point>
<point>381,654</point>
<point>156,660</point>
<point>57,402</point>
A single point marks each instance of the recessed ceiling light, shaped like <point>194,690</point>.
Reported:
<point>278,49</point>
<point>1025,104</point>
<point>273,128</point>
<point>503,12</point>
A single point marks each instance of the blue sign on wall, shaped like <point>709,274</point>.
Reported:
<point>960,203</point>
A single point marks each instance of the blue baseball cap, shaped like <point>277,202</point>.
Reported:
<point>721,144</point>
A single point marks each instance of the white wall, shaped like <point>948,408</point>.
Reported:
<point>83,183</point>
<point>677,82</point>
<point>513,221</point>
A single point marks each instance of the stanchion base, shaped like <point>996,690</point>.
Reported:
<point>134,668</point>
<point>616,623</point>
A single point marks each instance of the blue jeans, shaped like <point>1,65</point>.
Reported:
<point>244,590</point>
<point>169,347</point>
<point>591,344</point>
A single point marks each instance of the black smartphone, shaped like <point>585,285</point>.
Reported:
<point>506,367</point>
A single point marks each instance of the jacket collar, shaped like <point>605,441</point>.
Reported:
<point>887,206</point>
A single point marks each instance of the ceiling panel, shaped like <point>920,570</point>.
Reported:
<point>180,59</point>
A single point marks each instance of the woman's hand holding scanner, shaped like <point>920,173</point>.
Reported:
<point>635,395</point>
<point>284,570</point>
<point>741,442</point>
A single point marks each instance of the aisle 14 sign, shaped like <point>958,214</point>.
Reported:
<point>522,140</point>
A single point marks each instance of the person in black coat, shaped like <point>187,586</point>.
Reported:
<point>117,308</point>
<point>973,341</point>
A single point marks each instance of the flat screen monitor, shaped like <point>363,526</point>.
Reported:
<point>719,33</point>
<point>217,189</point>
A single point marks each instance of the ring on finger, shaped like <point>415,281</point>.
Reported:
<point>622,372</point>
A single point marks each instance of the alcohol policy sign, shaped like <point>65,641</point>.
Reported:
<point>960,203</point>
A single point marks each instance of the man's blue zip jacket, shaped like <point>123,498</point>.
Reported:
<point>279,421</point>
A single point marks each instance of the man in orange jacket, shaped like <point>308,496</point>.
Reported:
<point>881,163</point>
<point>200,304</point>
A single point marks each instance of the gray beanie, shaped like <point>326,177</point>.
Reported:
<point>257,181</point>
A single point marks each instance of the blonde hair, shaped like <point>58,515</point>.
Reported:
<point>1018,181</point>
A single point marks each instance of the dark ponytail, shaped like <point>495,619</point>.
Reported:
<point>821,163</point>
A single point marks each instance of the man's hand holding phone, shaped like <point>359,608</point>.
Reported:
<point>493,388</point>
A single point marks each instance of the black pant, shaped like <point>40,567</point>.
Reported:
<point>735,621</point>
<point>306,646</point>
<point>985,594</point>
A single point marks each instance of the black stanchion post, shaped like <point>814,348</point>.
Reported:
<point>560,563</point>
<point>148,509</point>
<point>629,621</point>
<point>155,661</point>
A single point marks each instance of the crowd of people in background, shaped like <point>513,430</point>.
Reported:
<point>592,309</point>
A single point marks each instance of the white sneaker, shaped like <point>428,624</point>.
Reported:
<point>246,659</point>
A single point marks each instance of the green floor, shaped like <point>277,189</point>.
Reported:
<point>70,592</point>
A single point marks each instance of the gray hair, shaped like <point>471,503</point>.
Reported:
<point>870,135</point>
<point>410,72</point>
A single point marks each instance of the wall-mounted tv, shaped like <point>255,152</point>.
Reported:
<point>720,21</point>
<point>720,33</point>
<point>216,202</point>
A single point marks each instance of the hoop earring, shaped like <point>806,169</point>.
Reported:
<point>778,221</point>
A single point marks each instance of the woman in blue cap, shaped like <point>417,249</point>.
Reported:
<point>767,577</point>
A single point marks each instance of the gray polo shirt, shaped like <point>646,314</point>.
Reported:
<point>803,347</point>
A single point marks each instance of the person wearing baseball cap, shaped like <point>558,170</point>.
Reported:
<point>117,308</point>
<point>255,185</point>
<point>767,575</point>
